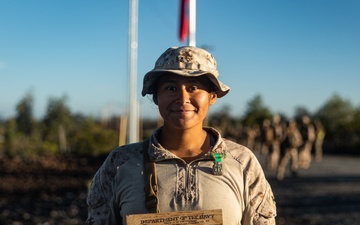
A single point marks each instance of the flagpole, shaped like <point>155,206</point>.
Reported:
<point>192,23</point>
<point>133,46</point>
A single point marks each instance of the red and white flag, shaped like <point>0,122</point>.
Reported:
<point>184,20</point>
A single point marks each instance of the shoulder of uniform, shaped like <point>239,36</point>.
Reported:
<point>237,150</point>
<point>246,158</point>
<point>121,154</point>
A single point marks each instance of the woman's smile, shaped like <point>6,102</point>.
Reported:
<point>183,111</point>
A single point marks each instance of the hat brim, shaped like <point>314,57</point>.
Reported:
<point>151,77</point>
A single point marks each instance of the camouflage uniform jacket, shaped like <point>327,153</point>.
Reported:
<point>242,191</point>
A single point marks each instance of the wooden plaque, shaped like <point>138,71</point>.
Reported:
<point>199,217</point>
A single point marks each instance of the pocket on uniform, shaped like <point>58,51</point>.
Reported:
<point>267,208</point>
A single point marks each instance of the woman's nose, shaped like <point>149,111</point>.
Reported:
<point>184,96</point>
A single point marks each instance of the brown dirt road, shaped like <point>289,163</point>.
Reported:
<point>328,193</point>
<point>51,192</point>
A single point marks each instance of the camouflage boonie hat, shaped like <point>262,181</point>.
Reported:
<point>185,61</point>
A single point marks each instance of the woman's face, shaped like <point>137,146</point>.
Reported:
<point>184,101</point>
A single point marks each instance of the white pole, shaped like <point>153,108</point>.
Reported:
<point>192,23</point>
<point>133,46</point>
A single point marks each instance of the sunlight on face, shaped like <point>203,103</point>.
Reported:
<point>184,101</point>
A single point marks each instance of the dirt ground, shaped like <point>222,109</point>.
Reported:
<point>45,191</point>
<point>328,193</point>
<point>49,191</point>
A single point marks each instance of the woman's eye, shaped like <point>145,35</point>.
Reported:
<point>170,88</point>
<point>193,88</point>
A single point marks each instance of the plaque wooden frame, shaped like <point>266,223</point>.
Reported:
<point>199,217</point>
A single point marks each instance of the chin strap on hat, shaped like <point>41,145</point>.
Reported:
<point>151,185</point>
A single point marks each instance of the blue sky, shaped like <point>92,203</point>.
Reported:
<point>292,53</point>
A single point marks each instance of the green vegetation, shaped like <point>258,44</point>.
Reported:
<point>60,132</point>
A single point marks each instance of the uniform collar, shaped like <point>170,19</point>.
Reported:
<point>158,153</point>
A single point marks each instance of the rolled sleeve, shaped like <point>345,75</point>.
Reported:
<point>262,206</point>
<point>100,193</point>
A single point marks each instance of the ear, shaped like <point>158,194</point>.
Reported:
<point>213,98</point>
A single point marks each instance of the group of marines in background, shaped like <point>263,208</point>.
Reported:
<point>283,142</point>
<point>288,142</point>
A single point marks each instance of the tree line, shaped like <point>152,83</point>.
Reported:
<point>339,117</point>
<point>61,132</point>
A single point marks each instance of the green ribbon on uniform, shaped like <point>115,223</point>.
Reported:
<point>218,157</point>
